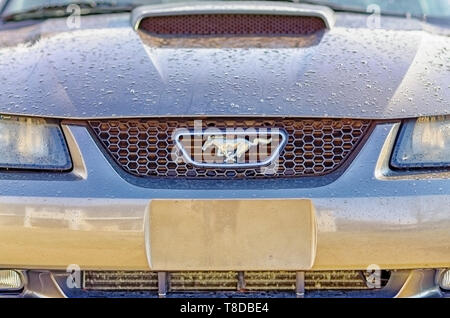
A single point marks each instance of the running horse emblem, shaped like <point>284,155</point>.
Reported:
<point>232,149</point>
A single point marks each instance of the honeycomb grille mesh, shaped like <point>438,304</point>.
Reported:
<point>143,147</point>
<point>232,24</point>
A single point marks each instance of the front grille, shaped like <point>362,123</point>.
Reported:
<point>226,281</point>
<point>270,280</point>
<point>185,281</point>
<point>314,147</point>
<point>117,280</point>
<point>232,24</point>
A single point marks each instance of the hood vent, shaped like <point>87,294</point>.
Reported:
<point>232,18</point>
<point>231,24</point>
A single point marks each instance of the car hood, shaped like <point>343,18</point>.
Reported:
<point>104,69</point>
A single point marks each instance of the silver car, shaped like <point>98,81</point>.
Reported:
<point>225,148</point>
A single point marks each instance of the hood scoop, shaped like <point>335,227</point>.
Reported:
<point>232,18</point>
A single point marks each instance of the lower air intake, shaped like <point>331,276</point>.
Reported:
<point>226,281</point>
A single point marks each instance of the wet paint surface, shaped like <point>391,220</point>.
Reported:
<point>106,70</point>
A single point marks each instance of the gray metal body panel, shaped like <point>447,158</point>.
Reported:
<point>105,70</point>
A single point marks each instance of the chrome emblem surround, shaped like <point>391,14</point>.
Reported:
<point>231,149</point>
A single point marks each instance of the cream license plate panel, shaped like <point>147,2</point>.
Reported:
<point>231,234</point>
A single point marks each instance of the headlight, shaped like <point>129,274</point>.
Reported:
<point>32,143</point>
<point>423,143</point>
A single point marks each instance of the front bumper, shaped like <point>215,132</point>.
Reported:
<point>97,219</point>
<point>402,283</point>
